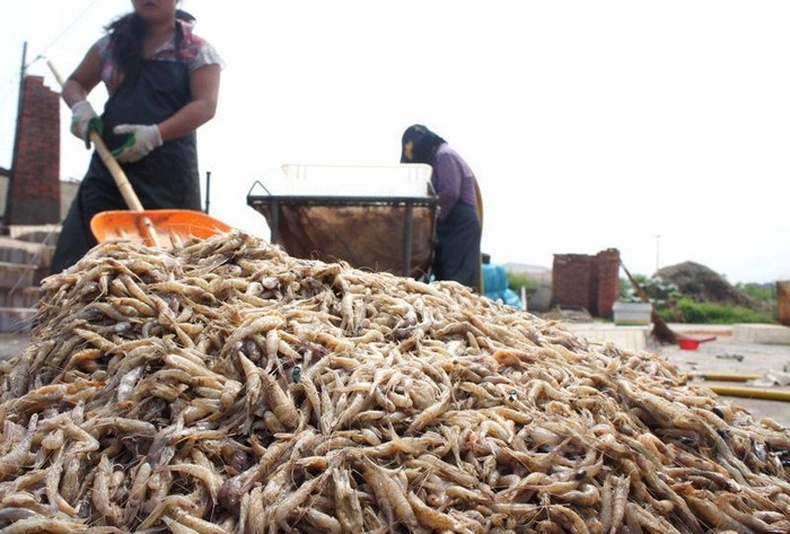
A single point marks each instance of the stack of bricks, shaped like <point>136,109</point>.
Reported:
<point>34,189</point>
<point>590,282</point>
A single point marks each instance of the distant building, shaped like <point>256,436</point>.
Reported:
<point>31,192</point>
<point>590,282</point>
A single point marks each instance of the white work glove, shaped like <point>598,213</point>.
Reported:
<point>83,120</point>
<point>141,140</point>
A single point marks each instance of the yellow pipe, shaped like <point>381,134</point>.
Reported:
<point>752,393</point>
<point>727,377</point>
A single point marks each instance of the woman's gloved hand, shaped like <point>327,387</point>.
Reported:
<point>140,141</point>
<point>83,120</point>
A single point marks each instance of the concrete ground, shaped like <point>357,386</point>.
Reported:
<point>738,350</point>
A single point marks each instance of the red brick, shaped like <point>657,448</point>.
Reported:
<point>34,188</point>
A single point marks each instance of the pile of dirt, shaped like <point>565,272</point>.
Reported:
<point>701,284</point>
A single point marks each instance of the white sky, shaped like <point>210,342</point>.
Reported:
<point>657,128</point>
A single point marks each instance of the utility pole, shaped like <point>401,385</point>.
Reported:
<point>657,238</point>
<point>208,189</point>
<point>7,216</point>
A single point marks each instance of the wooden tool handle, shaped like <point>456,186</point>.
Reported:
<point>124,186</point>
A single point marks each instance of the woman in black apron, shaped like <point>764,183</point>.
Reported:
<point>163,83</point>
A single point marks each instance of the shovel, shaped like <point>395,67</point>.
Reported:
<point>158,228</point>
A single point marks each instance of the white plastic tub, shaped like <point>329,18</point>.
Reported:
<point>404,180</point>
<point>632,313</point>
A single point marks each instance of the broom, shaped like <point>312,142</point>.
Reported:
<point>661,331</point>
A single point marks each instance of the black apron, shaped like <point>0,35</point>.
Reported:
<point>166,178</point>
<point>457,255</point>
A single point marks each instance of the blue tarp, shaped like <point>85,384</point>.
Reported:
<point>495,285</point>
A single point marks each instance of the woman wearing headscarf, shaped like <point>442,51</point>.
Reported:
<point>459,230</point>
<point>163,83</point>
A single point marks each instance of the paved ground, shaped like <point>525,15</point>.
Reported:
<point>725,355</point>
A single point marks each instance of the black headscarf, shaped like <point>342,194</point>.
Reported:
<point>425,144</point>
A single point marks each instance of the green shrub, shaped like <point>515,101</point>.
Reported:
<point>688,311</point>
<point>655,288</point>
<point>516,281</point>
<point>759,292</point>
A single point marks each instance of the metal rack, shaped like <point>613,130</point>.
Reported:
<point>273,208</point>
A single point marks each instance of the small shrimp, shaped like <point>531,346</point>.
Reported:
<point>101,493</point>
<point>433,518</point>
<point>196,524</point>
<point>357,405</point>
<point>431,414</point>
<point>320,520</point>
<point>279,401</point>
<point>272,344</point>
<point>205,474</point>
<point>39,523</point>
<point>253,381</point>
<point>14,460</point>
<point>127,384</point>
<point>292,502</point>
<point>53,481</point>
<point>53,441</point>
<point>163,507</point>
<point>620,493</point>
<point>389,493</point>
<point>230,392</point>
<point>347,507</point>
<point>587,495</point>
<point>137,491</point>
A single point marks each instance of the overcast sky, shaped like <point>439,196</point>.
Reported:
<point>660,129</point>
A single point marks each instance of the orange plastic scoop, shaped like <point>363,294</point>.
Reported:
<point>155,227</point>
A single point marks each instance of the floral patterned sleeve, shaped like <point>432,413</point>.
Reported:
<point>198,52</point>
<point>195,51</point>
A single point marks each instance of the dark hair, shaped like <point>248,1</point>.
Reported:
<point>189,18</point>
<point>425,144</point>
<point>126,40</point>
<point>126,43</point>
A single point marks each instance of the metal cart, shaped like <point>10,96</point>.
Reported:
<point>391,233</point>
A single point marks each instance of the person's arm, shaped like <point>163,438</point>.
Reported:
<point>85,77</point>
<point>448,182</point>
<point>204,83</point>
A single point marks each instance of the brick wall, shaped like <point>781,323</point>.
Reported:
<point>34,190</point>
<point>607,270</point>
<point>570,280</point>
<point>592,282</point>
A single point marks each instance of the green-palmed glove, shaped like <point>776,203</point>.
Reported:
<point>140,141</point>
<point>84,120</point>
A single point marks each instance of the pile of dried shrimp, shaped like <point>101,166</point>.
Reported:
<point>225,386</point>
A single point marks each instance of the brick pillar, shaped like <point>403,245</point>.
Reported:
<point>34,189</point>
<point>607,274</point>
<point>570,280</point>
